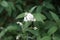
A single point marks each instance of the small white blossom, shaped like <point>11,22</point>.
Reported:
<point>35,28</point>
<point>29,17</point>
<point>17,37</point>
<point>19,23</point>
<point>34,20</point>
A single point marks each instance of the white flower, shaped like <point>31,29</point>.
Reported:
<point>17,37</point>
<point>35,28</point>
<point>29,17</point>
<point>19,23</point>
<point>34,19</point>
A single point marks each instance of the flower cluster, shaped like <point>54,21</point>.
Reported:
<point>29,17</point>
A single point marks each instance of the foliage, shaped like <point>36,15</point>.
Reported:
<point>44,24</point>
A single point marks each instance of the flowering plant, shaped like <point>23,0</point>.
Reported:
<point>29,20</point>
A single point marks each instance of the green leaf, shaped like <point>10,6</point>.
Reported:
<point>9,28</point>
<point>4,4</point>
<point>11,4</point>
<point>32,9</point>
<point>46,38</point>
<point>20,16</point>
<point>40,17</point>
<point>39,9</point>
<point>19,7</point>
<point>13,27</point>
<point>48,5</point>
<point>3,32</point>
<point>49,24</point>
<point>26,25</point>
<point>54,16</point>
<point>34,32</point>
<point>9,11</point>
<point>52,30</point>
